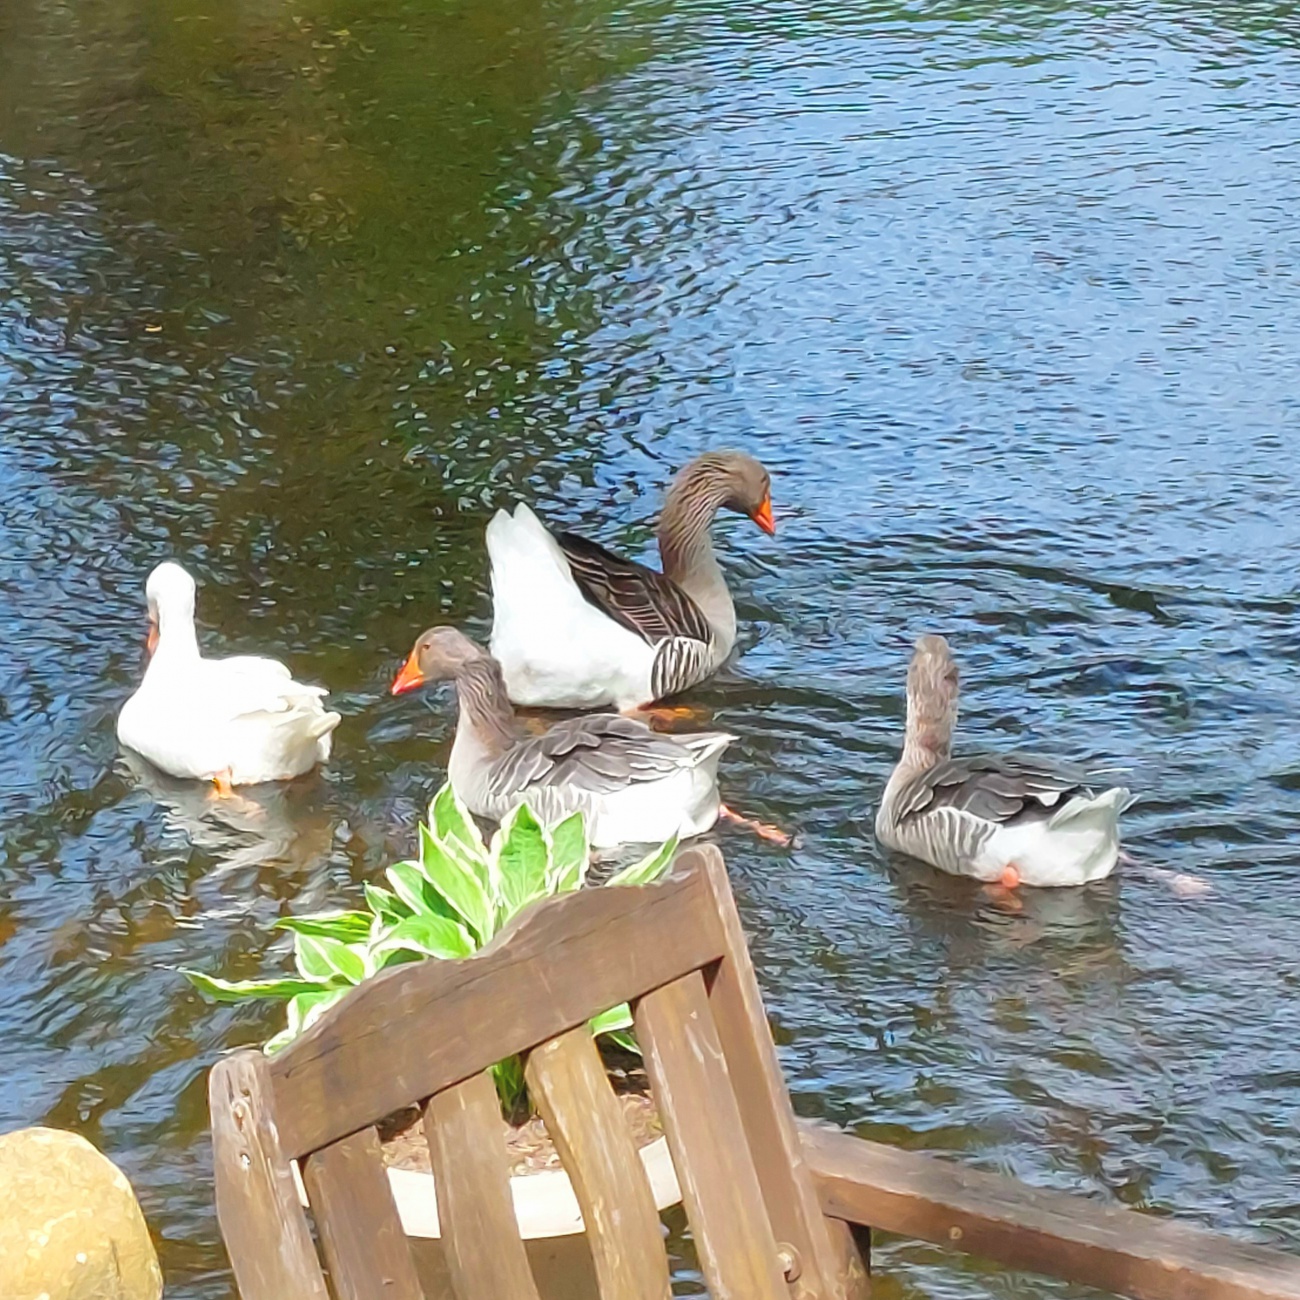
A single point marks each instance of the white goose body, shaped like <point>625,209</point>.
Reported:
<point>243,719</point>
<point>1012,818</point>
<point>576,626</point>
<point>555,648</point>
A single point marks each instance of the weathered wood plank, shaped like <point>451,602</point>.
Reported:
<point>1049,1232</point>
<point>567,1080</point>
<point>485,1254</point>
<point>264,1226</point>
<point>724,1203</point>
<point>357,1220</point>
<point>561,963</point>
<point>829,1263</point>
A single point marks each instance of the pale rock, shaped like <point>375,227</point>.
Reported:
<point>70,1226</point>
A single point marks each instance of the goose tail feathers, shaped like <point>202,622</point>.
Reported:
<point>1097,812</point>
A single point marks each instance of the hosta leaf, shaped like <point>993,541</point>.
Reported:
<point>508,1075</point>
<point>624,1038</point>
<point>433,936</point>
<point>457,884</point>
<point>619,1017</point>
<point>220,990</point>
<point>520,852</point>
<point>347,927</point>
<point>453,825</point>
<point>303,1011</point>
<point>318,958</point>
<point>415,895</point>
<point>383,902</point>
<point>649,868</point>
<point>569,855</point>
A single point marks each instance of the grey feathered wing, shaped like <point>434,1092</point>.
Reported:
<point>998,788</point>
<point>648,604</point>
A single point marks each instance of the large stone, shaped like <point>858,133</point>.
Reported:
<point>70,1226</point>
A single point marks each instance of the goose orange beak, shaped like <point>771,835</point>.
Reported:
<point>409,678</point>
<point>151,641</point>
<point>763,516</point>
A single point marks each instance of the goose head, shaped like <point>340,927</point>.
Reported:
<point>438,655</point>
<point>732,480</point>
<point>169,593</point>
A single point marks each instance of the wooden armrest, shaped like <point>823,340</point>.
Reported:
<point>1133,1254</point>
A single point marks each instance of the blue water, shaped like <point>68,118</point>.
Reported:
<point>1006,299</point>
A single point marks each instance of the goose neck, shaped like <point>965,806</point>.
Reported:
<point>486,714</point>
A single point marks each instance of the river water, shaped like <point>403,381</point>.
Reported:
<point>1006,297</point>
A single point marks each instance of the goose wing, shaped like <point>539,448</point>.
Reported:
<point>244,685</point>
<point>598,754</point>
<point>993,787</point>
<point>645,602</point>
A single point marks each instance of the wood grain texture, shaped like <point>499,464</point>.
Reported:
<point>562,962</point>
<point>467,1147</point>
<point>1048,1232</point>
<point>692,1090</point>
<point>829,1262</point>
<point>567,1080</point>
<point>357,1220</point>
<point>264,1226</point>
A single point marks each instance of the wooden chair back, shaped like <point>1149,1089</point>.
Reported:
<point>424,1034</point>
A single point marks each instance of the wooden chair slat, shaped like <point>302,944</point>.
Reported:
<point>567,1079</point>
<point>356,1217</point>
<point>485,1254</point>
<point>1108,1246</point>
<point>829,1261</point>
<point>720,1188</point>
<point>262,1220</point>
<point>561,963</point>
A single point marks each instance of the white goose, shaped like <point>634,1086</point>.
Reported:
<point>576,626</point>
<point>1011,818</point>
<point>236,721</point>
<point>634,785</point>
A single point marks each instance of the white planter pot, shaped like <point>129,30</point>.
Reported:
<point>545,1203</point>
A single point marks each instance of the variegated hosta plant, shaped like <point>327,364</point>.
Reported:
<point>447,903</point>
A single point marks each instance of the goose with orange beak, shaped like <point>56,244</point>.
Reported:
<point>577,626</point>
<point>632,784</point>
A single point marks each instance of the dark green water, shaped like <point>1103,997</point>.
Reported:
<point>1006,297</point>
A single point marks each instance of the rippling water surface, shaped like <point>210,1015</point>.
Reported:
<point>1005,295</point>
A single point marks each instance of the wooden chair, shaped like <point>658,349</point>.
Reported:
<point>770,1204</point>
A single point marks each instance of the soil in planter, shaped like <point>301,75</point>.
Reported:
<point>527,1141</point>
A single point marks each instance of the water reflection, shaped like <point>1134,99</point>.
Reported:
<point>278,826</point>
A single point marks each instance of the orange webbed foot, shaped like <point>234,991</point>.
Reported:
<point>662,717</point>
<point>764,830</point>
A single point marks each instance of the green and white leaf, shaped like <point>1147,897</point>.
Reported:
<point>457,884</point>
<point>414,892</point>
<point>384,904</point>
<point>429,936</point>
<point>327,960</point>
<point>521,853</point>
<point>219,990</point>
<point>609,1022</point>
<point>649,868</point>
<point>570,854</point>
<point>454,827</point>
<point>508,1075</point>
<point>303,1012</point>
<point>347,927</point>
